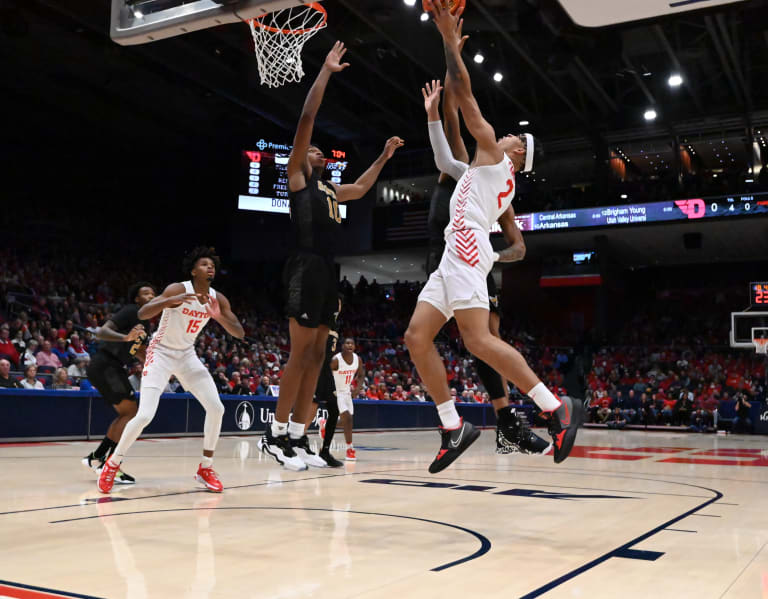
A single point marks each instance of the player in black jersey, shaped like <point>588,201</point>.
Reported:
<point>310,274</point>
<point>513,433</point>
<point>124,340</point>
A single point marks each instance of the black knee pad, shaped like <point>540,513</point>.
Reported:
<point>491,380</point>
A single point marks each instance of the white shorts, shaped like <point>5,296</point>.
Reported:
<point>459,282</point>
<point>162,362</point>
<point>344,401</point>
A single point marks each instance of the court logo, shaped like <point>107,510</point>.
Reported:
<point>764,417</point>
<point>244,415</point>
<point>261,145</point>
<point>693,209</point>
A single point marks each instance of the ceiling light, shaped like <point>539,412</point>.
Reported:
<point>623,196</point>
<point>650,115</point>
<point>424,16</point>
<point>675,80</point>
<point>410,2</point>
<point>497,77</point>
<point>479,58</point>
<point>524,123</point>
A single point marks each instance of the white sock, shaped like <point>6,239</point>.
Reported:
<point>279,428</point>
<point>448,414</point>
<point>206,462</point>
<point>543,398</point>
<point>295,430</point>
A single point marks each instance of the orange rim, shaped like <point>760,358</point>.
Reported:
<point>315,5</point>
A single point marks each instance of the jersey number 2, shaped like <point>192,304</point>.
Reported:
<point>193,326</point>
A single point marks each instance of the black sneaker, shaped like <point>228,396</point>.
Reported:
<point>93,463</point>
<point>280,449</point>
<point>454,443</point>
<point>305,453</point>
<point>329,459</point>
<point>514,435</point>
<point>564,423</point>
<point>123,478</point>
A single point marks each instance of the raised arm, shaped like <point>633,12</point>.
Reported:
<point>516,249</point>
<point>297,178</point>
<point>356,190</point>
<point>173,296</point>
<point>444,158</point>
<point>221,312</point>
<point>108,332</point>
<point>451,114</point>
<point>488,151</point>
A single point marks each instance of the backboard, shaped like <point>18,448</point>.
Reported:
<point>599,13</point>
<point>143,21</point>
<point>747,326</point>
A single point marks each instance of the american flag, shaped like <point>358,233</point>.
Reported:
<point>409,225</point>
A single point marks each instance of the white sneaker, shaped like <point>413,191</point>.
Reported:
<point>92,463</point>
<point>302,449</point>
<point>280,449</point>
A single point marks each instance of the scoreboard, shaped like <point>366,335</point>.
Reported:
<point>758,295</point>
<point>263,183</point>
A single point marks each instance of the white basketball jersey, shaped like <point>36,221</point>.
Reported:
<point>180,326</point>
<point>345,374</point>
<point>481,196</point>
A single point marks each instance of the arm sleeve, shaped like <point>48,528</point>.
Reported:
<point>443,156</point>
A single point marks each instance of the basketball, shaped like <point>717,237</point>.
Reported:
<point>453,5</point>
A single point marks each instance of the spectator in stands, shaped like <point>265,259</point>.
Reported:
<point>173,386</point>
<point>7,349</point>
<point>29,354</point>
<point>416,394</point>
<point>78,370</point>
<point>399,394</point>
<point>61,351</point>
<point>76,349</point>
<point>617,419</point>
<point>742,423</point>
<point>67,330</point>
<point>45,357</point>
<point>18,342</point>
<point>646,409</point>
<point>6,380</point>
<point>30,378</point>
<point>236,385</point>
<point>701,420</point>
<point>61,380</point>
<point>263,387</point>
<point>684,408</point>
<point>604,411</point>
<point>222,383</point>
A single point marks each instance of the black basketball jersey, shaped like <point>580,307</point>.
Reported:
<point>315,219</point>
<point>440,211</point>
<point>124,321</point>
<point>439,217</point>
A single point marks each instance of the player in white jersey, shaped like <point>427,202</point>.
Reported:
<point>347,367</point>
<point>457,288</point>
<point>186,309</point>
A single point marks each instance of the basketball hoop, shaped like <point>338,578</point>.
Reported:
<point>280,36</point>
<point>761,346</point>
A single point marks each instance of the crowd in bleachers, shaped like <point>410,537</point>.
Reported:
<point>666,372</point>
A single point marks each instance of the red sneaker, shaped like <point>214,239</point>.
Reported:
<point>209,478</point>
<point>321,422</point>
<point>107,476</point>
<point>351,457</point>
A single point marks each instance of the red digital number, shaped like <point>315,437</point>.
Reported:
<point>338,154</point>
<point>193,326</point>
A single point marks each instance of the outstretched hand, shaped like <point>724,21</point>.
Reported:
<point>449,25</point>
<point>431,92</point>
<point>392,144</point>
<point>333,60</point>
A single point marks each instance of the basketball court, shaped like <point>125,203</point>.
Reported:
<point>628,514</point>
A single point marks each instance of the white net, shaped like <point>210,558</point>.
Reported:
<point>279,38</point>
<point>761,346</point>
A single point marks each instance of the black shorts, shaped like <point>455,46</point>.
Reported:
<point>311,293</point>
<point>109,377</point>
<point>326,386</point>
<point>493,295</point>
